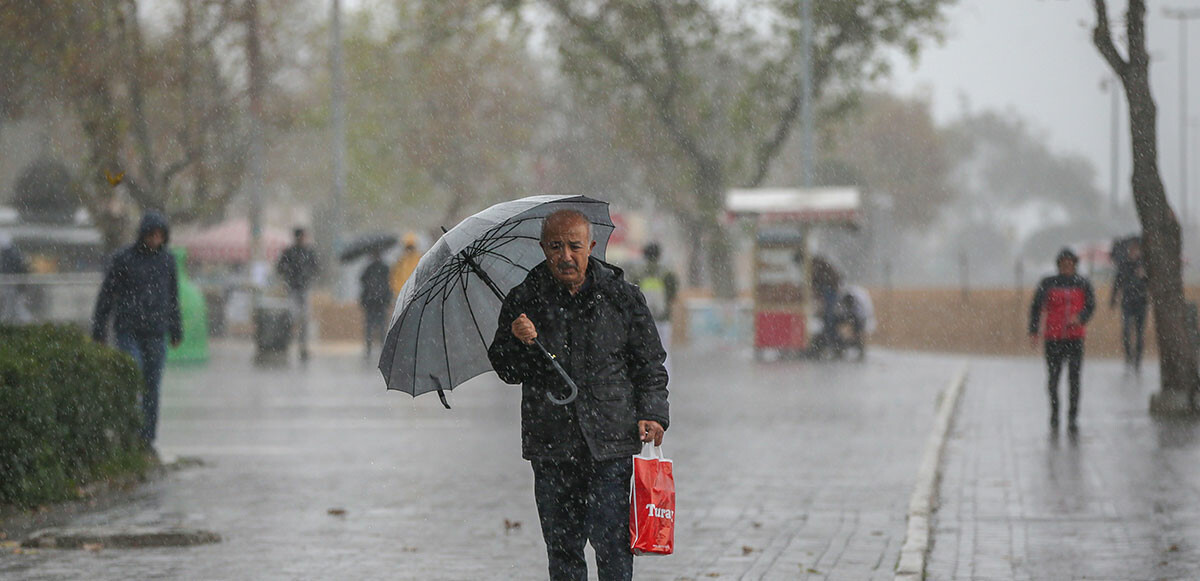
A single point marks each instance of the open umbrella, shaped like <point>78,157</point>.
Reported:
<point>364,245</point>
<point>445,316</point>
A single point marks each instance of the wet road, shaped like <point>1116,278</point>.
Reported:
<point>1119,502</point>
<point>785,470</point>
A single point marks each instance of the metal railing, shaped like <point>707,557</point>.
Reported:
<point>48,298</point>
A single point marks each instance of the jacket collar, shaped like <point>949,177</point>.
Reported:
<point>601,276</point>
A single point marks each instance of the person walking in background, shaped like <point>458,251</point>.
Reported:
<point>375,297</point>
<point>406,264</point>
<point>1131,284</point>
<point>660,286</point>
<point>601,331</point>
<point>1067,301</point>
<point>140,294</point>
<point>298,266</point>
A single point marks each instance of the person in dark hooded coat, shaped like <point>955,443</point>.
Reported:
<point>601,331</point>
<point>375,297</point>
<point>140,295</point>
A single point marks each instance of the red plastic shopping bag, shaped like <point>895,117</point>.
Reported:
<point>652,506</point>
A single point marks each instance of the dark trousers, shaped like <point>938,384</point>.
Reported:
<point>1133,331</point>
<point>374,321</point>
<point>1057,351</point>
<point>580,501</point>
<point>150,354</point>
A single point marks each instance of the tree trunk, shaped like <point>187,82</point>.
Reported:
<point>1160,228</point>
<point>710,187</point>
<point>1161,239</point>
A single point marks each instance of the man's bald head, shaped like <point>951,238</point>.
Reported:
<point>565,219</point>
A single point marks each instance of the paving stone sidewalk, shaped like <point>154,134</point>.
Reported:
<point>785,470</point>
<point>1120,501</point>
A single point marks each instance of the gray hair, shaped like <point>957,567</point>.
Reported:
<point>566,214</point>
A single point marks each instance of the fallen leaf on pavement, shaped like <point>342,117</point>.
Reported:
<point>93,547</point>
<point>337,511</point>
<point>746,549</point>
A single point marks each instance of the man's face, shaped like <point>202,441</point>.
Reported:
<point>567,245</point>
<point>1066,266</point>
<point>155,239</point>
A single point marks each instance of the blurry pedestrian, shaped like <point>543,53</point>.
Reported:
<point>140,293</point>
<point>298,265</point>
<point>406,264</point>
<point>602,332</point>
<point>659,285</point>
<point>13,301</point>
<point>826,283</point>
<point>1068,302</point>
<point>1131,284</point>
<point>375,297</point>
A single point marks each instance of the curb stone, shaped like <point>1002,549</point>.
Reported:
<point>119,538</point>
<point>915,550</point>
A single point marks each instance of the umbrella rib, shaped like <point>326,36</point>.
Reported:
<point>446,344</point>
<point>502,257</point>
<point>416,348</point>
<point>474,319</point>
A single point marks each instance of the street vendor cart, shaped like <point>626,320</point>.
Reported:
<point>786,304</point>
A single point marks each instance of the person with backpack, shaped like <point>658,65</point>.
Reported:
<point>1067,302</point>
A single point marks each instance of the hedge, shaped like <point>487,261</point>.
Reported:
<point>69,414</point>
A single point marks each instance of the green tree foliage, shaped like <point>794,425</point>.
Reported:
<point>718,83</point>
<point>444,104</point>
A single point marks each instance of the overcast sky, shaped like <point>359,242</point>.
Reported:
<point>1036,57</point>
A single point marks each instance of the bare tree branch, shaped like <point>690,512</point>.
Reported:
<point>1102,38</point>
<point>766,152</point>
<point>670,50</point>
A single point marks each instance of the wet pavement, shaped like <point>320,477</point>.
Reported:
<point>786,470</point>
<point>1120,501</point>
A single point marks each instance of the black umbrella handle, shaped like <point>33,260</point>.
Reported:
<point>561,373</point>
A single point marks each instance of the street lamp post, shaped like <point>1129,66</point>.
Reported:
<point>806,103</point>
<point>338,114</point>
<point>1183,16</point>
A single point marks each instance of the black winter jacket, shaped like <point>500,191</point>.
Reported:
<point>606,338</point>
<point>141,289</point>
<point>298,265</point>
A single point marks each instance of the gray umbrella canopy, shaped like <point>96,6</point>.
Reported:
<point>445,316</point>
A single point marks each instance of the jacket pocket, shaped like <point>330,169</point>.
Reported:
<point>612,411</point>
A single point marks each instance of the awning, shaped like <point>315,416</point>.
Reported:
<point>228,242</point>
<point>827,204</point>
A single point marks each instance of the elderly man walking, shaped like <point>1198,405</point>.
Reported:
<point>600,330</point>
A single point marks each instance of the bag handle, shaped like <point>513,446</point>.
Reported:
<point>651,452</point>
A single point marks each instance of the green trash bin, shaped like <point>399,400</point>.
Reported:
<point>194,348</point>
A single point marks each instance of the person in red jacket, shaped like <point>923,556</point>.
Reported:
<point>1067,301</point>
